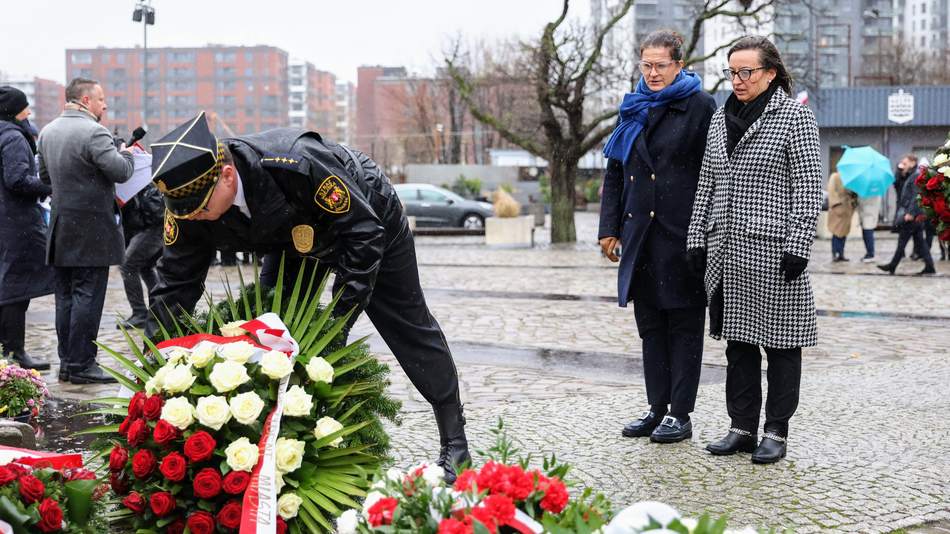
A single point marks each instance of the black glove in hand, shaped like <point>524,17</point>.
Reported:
<point>117,141</point>
<point>792,266</point>
<point>696,262</point>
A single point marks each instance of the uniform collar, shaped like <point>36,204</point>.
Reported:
<point>240,201</point>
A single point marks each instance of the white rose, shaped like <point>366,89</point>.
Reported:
<point>288,504</point>
<point>319,370</point>
<point>178,412</point>
<point>327,426</point>
<point>297,402</point>
<point>369,501</point>
<point>347,522</point>
<point>279,481</point>
<point>395,475</point>
<point>213,411</point>
<point>246,407</point>
<point>941,158</point>
<point>944,170</point>
<point>202,356</point>
<point>157,382</point>
<point>233,329</point>
<point>277,365</point>
<point>689,523</point>
<point>228,375</point>
<point>242,455</point>
<point>289,454</point>
<point>179,379</point>
<point>239,352</point>
<point>177,355</point>
<point>432,474</point>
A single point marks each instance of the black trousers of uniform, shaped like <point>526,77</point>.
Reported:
<point>672,353</point>
<point>744,386</point>
<point>80,294</point>
<point>13,328</point>
<point>399,312</point>
<point>141,255</point>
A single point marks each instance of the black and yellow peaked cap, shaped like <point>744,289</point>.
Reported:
<point>186,165</point>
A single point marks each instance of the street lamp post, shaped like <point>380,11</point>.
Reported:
<point>145,14</point>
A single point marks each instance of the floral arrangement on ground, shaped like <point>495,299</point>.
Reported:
<point>257,400</point>
<point>22,391</point>
<point>934,184</point>
<point>37,499</point>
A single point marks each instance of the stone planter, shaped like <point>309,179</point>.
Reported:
<point>509,231</point>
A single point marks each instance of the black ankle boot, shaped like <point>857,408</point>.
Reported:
<point>737,440</point>
<point>23,359</point>
<point>454,453</point>
<point>772,448</point>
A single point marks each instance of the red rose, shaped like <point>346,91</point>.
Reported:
<point>165,432</point>
<point>118,458</point>
<point>138,432</point>
<point>173,467</point>
<point>31,489</point>
<point>177,526</point>
<point>120,483</point>
<point>6,476</point>
<point>207,483</point>
<point>144,464</point>
<point>555,496</point>
<point>230,515</point>
<point>926,200</point>
<point>136,404</point>
<point>152,409</point>
<point>945,216</point>
<point>933,183</point>
<point>281,526</point>
<point>124,426</point>
<point>456,526</point>
<point>940,178</point>
<point>51,517</point>
<point>162,503</point>
<point>201,523</point>
<point>381,512</point>
<point>236,482</point>
<point>939,205</point>
<point>135,502</point>
<point>199,447</point>
<point>80,474</point>
<point>921,179</point>
<point>921,218</point>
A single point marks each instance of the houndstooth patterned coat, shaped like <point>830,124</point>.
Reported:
<point>751,209</point>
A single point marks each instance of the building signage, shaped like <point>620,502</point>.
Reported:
<point>900,107</point>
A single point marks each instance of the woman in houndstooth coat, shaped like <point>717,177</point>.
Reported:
<point>752,227</point>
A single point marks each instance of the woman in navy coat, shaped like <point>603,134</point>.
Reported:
<point>654,159</point>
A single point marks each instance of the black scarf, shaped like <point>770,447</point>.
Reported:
<point>740,116</point>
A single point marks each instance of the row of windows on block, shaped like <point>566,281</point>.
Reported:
<point>187,113</point>
<point>264,100</point>
<point>170,57</point>
<point>186,86</point>
<point>170,72</point>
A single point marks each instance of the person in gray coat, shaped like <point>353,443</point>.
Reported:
<point>78,158</point>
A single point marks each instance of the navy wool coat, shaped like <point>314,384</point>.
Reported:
<point>647,204</point>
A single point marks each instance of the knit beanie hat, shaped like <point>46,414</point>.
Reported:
<point>12,102</point>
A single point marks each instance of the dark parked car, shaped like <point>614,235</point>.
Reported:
<point>435,206</point>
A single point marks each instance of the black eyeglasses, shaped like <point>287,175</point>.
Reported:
<point>743,74</point>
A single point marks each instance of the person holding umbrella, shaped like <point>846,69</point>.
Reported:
<point>906,221</point>
<point>868,173</point>
<point>841,204</point>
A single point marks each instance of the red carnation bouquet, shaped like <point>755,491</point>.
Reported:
<point>934,184</point>
<point>502,497</point>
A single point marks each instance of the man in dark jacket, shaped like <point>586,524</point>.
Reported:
<point>293,192</point>
<point>906,219</point>
<point>77,156</point>
<point>23,271</point>
<point>142,225</point>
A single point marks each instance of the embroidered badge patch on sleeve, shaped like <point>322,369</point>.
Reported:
<point>171,229</point>
<point>333,196</point>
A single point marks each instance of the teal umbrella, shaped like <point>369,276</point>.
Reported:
<point>865,171</point>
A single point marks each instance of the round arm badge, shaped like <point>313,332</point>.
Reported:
<point>333,196</point>
<point>171,228</point>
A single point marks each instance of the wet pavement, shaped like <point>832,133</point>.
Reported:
<point>539,340</point>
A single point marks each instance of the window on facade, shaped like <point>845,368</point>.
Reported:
<point>115,73</point>
<point>225,86</point>
<point>117,101</point>
<point>923,8</point>
<point>250,128</point>
<point>105,57</point>
<point>180,86</point>
<point>225,71</point>
<point>153,57</point>
<point>153,101</point>
<point>116,86</point>
<point>249,71</point>
<point>153,72</point>
<point>266,57</point>
<point>181,99</point>
<point>179,57</point>
<point>296,81</point>
<point>267,86</point>
<point>225,99</point>
<point>180,72</point>
<point>82,58</point>
<point>248,86</point>
<point>154,86</point>
<point>297,107</point>
<point>266,71</point>
<point>269,113</point>
<point>249,113</point>
<point>82,73</point>
<point>227,113</point>
<point>120,57</point>
<point>248,57</point>
<point>224,57</point>
<point>117,114</point>
<point>180,113</point>
<point>154,114</point>
<point>923,24</point>
<point>923,41</point>
<point>269,100</point>
<point>248,99</point>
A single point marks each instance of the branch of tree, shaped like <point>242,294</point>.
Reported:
<point>595,55</point>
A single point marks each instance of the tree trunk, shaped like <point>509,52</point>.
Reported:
<point>562,200</point>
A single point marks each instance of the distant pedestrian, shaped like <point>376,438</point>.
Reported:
<point>79,159</point>
<point>142,219</point>
<point>659,144</point>
<point>24,274</point>
<point>869,211</point>
<point>752,227</point>
<point>841,204</point>
<point>906,220</point>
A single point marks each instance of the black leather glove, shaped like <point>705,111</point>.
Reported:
<point>792,266</point>
<point>117,141</point>
<point>696,262</point>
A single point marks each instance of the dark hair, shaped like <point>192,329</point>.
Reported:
<point>910,157</point>
<point>769,57</point>
<point>667,39</point>
<point>79,88</point>
<point>227,158</point>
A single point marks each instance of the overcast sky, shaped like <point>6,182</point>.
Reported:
<point>337,36</point>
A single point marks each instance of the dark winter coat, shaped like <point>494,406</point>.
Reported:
<point>23,271</point>
<point>907,203</point>
<point>144,211</point>
<point>647,204</point>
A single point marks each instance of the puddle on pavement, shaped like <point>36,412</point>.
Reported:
<point>54,427</point>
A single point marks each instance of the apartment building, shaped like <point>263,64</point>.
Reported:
<point>46,98</point>
<point>312,98</point>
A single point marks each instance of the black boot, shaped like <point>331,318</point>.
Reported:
<point>889,268</point>
<point>454,453</point>
<point>13,336</point>
<point>737,440</point>
<point>92,374</point>
<point>772,448</point>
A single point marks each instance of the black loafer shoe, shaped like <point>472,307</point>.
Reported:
<point>672,431</point>
<point>63,375</point>
<point>889,268</point>
<point>642,427</point>
<point>771,450</point>
<point>736,440</point>
<point>91,375</point>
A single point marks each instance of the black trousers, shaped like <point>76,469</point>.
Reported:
<point>13,328</point>
<point>141,255</point>
<point>744,386</point>
<point>80,294</point>
<point>399,312</point>
<point>672,353</point>
<point>913,230</point>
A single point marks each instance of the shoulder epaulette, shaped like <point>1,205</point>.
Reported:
<point>290,162</point>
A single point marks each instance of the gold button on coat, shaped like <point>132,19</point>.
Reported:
<point>630,215</point>
<point>653,177</point>
<point>631,178</point>
<point>651,214</point>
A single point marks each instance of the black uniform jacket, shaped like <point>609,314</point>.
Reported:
<point>647,204</point>
<point>291,179</point>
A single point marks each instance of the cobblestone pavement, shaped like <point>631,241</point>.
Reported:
<point>869,444</point>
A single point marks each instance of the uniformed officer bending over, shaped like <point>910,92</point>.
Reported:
<point>294,192</point>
